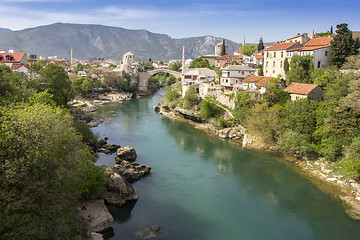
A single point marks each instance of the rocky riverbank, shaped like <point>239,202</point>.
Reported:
<point>347,191</point>
<point>118,191</point>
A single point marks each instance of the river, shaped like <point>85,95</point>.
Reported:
<point>201,187</point>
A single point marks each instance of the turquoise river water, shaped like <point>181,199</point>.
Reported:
<point>201,187</point>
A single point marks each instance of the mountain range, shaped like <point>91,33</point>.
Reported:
<point>95,41</point>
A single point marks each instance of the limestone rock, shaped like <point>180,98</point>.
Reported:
<point>149,232</point>
<point>131,171</point>
<point>96,236</point>
<point>117,190</point>
<point>96,214</point>
<point>125,153</point>
<point>105,147</point>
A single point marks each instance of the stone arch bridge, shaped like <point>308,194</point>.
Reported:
<point>145,76</point>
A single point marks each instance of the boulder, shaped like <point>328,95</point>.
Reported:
<point>96,236</point>
<point>96,214</point>
<point>149,232</point>
<point>131,171</point>
<point>107,148</point>
<point>125,153</point>
<point>117,190</point>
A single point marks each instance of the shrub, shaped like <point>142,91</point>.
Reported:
<point>295,143</point>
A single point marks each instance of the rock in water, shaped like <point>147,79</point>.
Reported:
<point>125,153</point>
<point>149,232</point>
<point>131,171</point>
<point>96,214</point>
<point>117,190</point>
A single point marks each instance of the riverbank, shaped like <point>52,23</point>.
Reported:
<point>321,173</point>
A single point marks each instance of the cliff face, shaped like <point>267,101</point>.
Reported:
<point>108,42</point>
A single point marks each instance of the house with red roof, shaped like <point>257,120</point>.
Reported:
<point>11,58</point>
<point>227,60</point>
<point>303,90</point>
<point>319,48</point>
<point>233,75</point>
<point>259,83</point>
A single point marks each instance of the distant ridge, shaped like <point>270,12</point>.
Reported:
<point>4,30</point>
<point>108,42</point>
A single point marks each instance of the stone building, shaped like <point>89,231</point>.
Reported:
<point>218,48</point>
<point>302,90</point>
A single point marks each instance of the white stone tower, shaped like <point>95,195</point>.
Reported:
<point>72,56</point>
<point>127,62</point>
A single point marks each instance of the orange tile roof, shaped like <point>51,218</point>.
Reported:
<point>259,56</point>
<point>227,57</point>
<point>239,50</point>
<point>252,78</point>
<point>300,88</point>
<point>264,81</point>
<point>319,42</point>
<point>282,46</point>
<point>16,57</point>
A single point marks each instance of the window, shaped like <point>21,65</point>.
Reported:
<point>326,53</point>
<point>8,58</point>
<point>318,64</point>
<point>267,54</point>
<point>282,54</point>
<point>274,54</point>
<point>274,64</point>
<point>267,63</point>
<point>281,64</point>
<point>242,72</point>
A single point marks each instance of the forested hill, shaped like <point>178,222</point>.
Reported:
<point>107,42</point>
<point>4,30</point>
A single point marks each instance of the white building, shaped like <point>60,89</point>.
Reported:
<point>193,77</point>
<point>233,75</point>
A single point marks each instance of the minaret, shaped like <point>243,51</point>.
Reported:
<point>183,61</point>
<point>243,41</point>
<point>72,56</point>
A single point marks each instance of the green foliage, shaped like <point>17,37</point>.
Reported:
<point>342,45</point>
<point>190,98</point>
<point>176,66</point>
<point>173,95</point>
<point>286,65</point>
<point>55,79</point>
<point>261,70</point>
<point>87,136</point>
<point>147,65</point>
<point>44,167</point>
<point>223,48</point>
<point>242,106</point>
<point>200,63</point>
<point>300,117</point>
<point>325,34</point>
<point>248,50</point>
<point>291,142</point>
<point>276,95</point>
<point>209,110</point>
<point>38,65</point>
<point>260,46</point>
<point>83,85</point>
<point>300,69</point>
<point>78,67</point>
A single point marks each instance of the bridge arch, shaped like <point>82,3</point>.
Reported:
<point>145,76</point>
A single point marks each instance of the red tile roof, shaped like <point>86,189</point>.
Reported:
<point>319,42</point>
<point>239,50</point>
<point>259,56</point>
<point>300,88</point>
<point>265,81</point>
<point>282,46</point>
<point>256,79</point>
<point>15,57</point>
<point>227,57</point>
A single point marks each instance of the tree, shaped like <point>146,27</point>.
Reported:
<point>200,63</point>
<point>291,142</point>
<point>300,69</point>
<point>248,50</point>
<point>342,45</point>
<point>147,65</point>
<point>260,46</point>
<point>223,48</point>
<point>176,66</point>
<point>261,70</point>
<point>276,95</point>
<point>190,98</point>
<point>286,65</point>
<point>331,30</point>
<point>78,67</point>
<point>209,110</point>
<point>45,169</point>
<point>54,78</point>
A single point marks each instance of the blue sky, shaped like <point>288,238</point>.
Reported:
<point>232,19</point>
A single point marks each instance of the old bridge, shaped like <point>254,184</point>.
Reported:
<point>145,76</point>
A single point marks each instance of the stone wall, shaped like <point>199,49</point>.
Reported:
<point>226,100</point>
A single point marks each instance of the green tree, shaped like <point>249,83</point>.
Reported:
<point>190,98</point>
<point>261,70</point>
<point>45,168</point>
<point>300,69</point>
<point>286,65</point>
<point>294,143</point>
<point>200,63</point>
<point>276,95</point>
<point>209,110</point>
<point>176,66</point>
<point>54,78</point>
<point>223,48</point>
<point>78,67</point>
<point>248,50</point>
<point>342,45</point>
<point>147,65</point>
<point>260,46</point>
<point>87,86</point>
